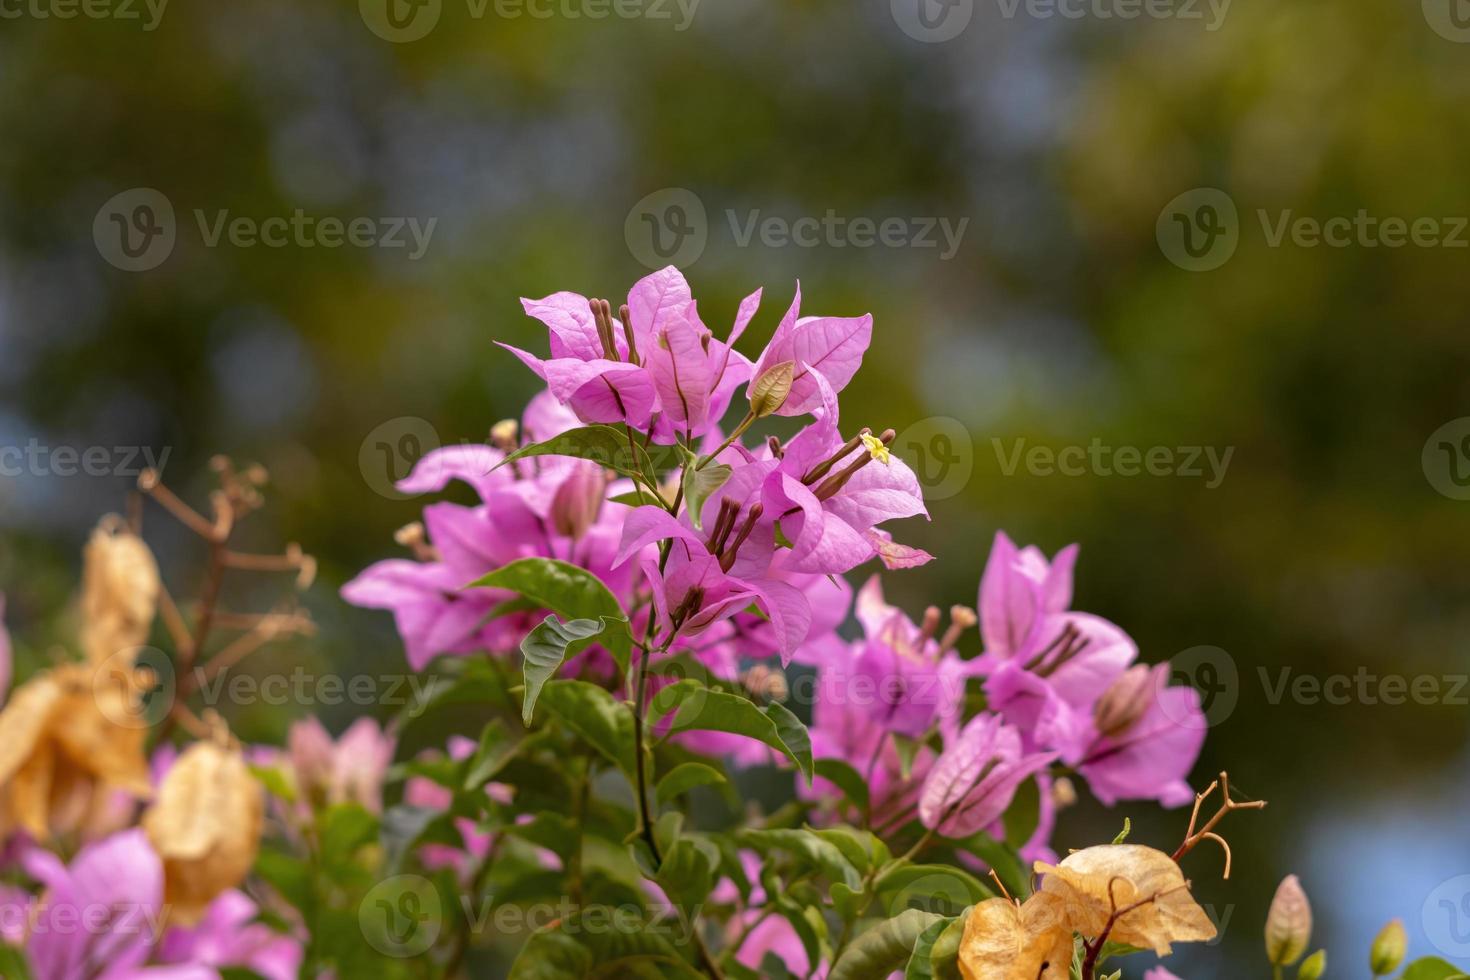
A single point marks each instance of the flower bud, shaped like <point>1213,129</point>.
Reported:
<point>205,824</point>
<point>1125,701</point>
<point>1389,949</point>
<point>505,434</point>
<point>578,501</point>
<point>770,391</point>
<point>1313,966</point>
<point>1288,924</point>
<point>120,588</point>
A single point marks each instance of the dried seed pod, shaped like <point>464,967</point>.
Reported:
<point>69,742</point>
<point>120,587</point>
<point>205,824</point>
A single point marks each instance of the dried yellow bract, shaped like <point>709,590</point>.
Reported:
<point>70,742</point>
<point>206,825</point>
<point>120,587</point>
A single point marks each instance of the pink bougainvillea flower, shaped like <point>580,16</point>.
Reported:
<point>694,374</point>
<point>830,494</point>
<point>1145,738</point>
<point>976,777</point>
<point>526,511</point>
<point>694,592</point>
<point>351,769</point>
<point>589,368</point>
<point>830,345</point>
<point>229,937</point>
<point>121,878</point>
<point>1018,588</point>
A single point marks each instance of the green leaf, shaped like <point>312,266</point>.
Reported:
<point>939,888</point>
<point>633,498</point>
<point>921,965</point>
<point>797,739</point>
<point>275,781</point>
<point>547,647</point>
<point>860,847</point>
<point>1123,834</point>
<point>572,592</point>
<point>492,754</point>
<point>1004,859</point>
<point>599,942</point>
<point>687,872</point>
<point>344,829</point>
<point>847,779</point>
<point>701,484</point>
<point>944,957</point>
<point>602,444</point>
<point>599,719</point>
<point>884,948</point>
<point>698,708</point>
<point>817,853</point>
<point>907,749</point>
<point>682,778</point>
<point>1432,968</point>
<point>13,963</point>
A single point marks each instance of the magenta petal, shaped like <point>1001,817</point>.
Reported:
<point>647,524</point>
<point>790,614</point>
<point>1008,601</point>
<point>681,373</point>
<point>616,393</point>
<point>121,873</point>
<point>1153,759</point>
<point>569,318</point>
<point>474,464</point>
<point>652,300</point>
<point>976,778</point>
<point>833,345</point>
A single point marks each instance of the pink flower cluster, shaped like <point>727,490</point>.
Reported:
<point>755,572</point>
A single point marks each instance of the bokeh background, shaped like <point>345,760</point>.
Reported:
<point>569,151</point>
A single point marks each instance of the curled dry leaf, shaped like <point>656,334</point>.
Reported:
<point>1006,941</point>
<point>120,587</point>
<point>206,825</point>
<point>69,742</point>
<point>1143,885</point>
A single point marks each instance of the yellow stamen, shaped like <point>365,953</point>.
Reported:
<point>876,448</point>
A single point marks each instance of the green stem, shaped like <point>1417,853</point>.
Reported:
<point>745,423</point>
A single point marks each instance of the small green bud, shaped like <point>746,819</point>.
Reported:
<point>770,391</point>
<point>1313,966</point>
<point>1389,949</point>
<point>1288,924</point>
